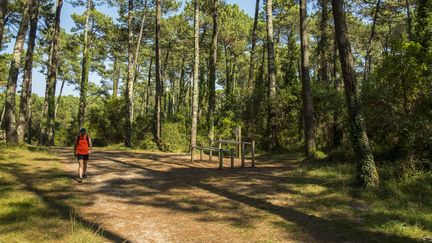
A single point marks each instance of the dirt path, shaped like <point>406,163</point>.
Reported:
<point>153,197</point>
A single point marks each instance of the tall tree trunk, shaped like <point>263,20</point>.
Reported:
<point>409,19</point>
<point>85,68</point>
<point>3,13</point>
<point>148,85</point>
<point>182,99</point>
<point>10,112</point>
<point>130,79</point>
<point>29,123</point>
<point>158,95</point>
<point>116,74</point>
<point>59,98</point>
<point>368,58</point>
<point>252,53</point>
<point>367,174</point>
<point>213,66</point>
<point>52,77</point>
<point>337,133</point>
<point>163,78</point>
<point>227,73</point>
<point>273,142</point>
<point>323,44</point>
<point>26,84</point>
<point>138,45</point>
<point>195,89</point>
<point>2,117</point>
<point>308,109</point>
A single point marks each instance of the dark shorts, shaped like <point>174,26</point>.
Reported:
<point>82,156</point>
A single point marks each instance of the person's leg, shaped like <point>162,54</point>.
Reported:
<point>80,168</point>
<point>85,167</point>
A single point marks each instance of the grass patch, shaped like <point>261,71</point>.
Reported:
<point>399,210</point>
<point>31,207</point>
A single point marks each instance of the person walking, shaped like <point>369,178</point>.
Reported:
<point>82,150</point>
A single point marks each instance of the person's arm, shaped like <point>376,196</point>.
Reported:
<point>75,145</point>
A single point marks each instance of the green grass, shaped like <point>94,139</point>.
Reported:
<point>399,208</point>
<point>30,206</point>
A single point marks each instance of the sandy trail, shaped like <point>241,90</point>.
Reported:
<point>155,197</point>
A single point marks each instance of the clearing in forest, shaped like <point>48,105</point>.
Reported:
<point>155,197</point>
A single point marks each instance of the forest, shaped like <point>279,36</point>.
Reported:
<point>328,78</point>
<point>334,97</point>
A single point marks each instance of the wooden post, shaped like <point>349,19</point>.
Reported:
<point>201,154</point>
<point>232,158</point>
<point>211,152</point>
<point>253,153</point>
<point>220,159</point>
<point>192,157</point>
<point>243,155</point>
<point>240,148</point>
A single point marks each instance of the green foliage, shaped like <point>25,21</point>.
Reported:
<point>106,121</point>
<point>175,138</point>
<point>400,89</point>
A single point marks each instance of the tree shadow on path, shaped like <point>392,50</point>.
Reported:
<point>180,173</point>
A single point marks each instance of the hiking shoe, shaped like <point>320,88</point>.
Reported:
<point>79,180</point>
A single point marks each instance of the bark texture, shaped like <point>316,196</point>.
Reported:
<point>28,67</point>
<point>48,139</point>
<point>272,142</point>
<point>212,67</point>
<point>253,45</point>
<point>10,109</point>
<point>158,97</point>
<point>367,175</point>
<point>323,47</point>
<point>85,67</point>
<point>308,109</point>
<point>116,75</point>
<point>195,89</point>
<point>3,13</point>
<point>130,79</point>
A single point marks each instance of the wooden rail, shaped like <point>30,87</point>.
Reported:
<point>242,145</point>
<point>211,149</point>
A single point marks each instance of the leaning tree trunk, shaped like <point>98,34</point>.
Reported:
<point>85,67</point>
<point>195,89</point>
<point>52,78</point>
<point>138,45</point>
<point>3,13</point>
<point>272,142</point>
<point>368,58</point>
<point>366,171</point>
<point>308,109</point>
<point>23,116</point>
<point>158,96</point>
<point>10,110</point>
<point>212,66</point>
<point>59,98</point>
<point>130,79</point>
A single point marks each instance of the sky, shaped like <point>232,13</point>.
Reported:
<point>67,23</point>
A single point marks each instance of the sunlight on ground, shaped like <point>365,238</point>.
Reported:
<point>24,215</point>
<point>281,199</point>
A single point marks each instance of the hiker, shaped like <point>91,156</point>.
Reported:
<point>82,149</point>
